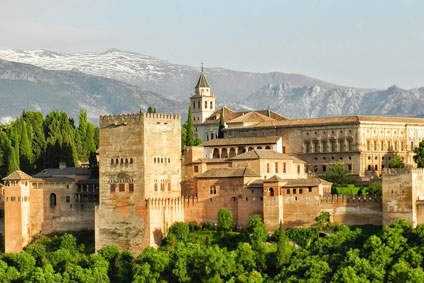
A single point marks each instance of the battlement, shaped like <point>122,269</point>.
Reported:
<point>166,203</point>
<point>134,118</point>
<point>401,171</point>
<point>349,198</point>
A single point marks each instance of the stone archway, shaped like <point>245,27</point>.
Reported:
<point>216,153</point>
<point>224,153</point>
<point>232,152</point>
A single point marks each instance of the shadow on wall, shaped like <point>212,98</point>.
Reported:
<point>157,236</point>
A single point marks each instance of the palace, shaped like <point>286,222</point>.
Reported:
<point>266,164</point>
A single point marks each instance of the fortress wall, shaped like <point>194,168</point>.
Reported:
<point>353,210</point>
<point>300,211</point>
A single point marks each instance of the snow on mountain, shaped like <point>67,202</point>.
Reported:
<point>293,95</point>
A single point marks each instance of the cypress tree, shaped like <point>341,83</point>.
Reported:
<point>190,124</point>
<point>12,162</point>
<point>25,150</point>
<point>221,126</point>
<point>16,150</point>
<point>282,251</point>
<point>91,146</point>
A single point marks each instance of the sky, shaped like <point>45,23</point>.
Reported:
<point>370,44</point>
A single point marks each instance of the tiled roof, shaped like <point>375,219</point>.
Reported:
<point>211,160</point>
<point>68,171</point>
<point>242,141</point>
<point>88,181</point>
<point>250,117</point>
<point>203,82</point>
<point>228,173</point>
<point>18,175</point>
<point>337,120</point>
<point>230,115</point>
<point>274,179</point>
<point>305,182</point>
<point>266,154</point>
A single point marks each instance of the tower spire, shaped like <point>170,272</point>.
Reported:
<point>201,65</point>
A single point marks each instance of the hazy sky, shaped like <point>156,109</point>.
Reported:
<point>358,43</point>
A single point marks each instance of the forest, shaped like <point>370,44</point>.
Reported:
<point>33,142</point>
<point>216,253</point>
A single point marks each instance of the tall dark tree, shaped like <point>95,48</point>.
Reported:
<point>221,126</point>
<point>190,132</point>
<point>25,150</point>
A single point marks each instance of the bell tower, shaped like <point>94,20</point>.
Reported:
<point>202,101</point>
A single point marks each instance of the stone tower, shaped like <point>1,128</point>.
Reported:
<point>139,178</point>
<point>202,101</point>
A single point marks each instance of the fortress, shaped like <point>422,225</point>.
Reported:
<point>266,164</point>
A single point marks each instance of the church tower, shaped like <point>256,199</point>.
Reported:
<point>202,101</point>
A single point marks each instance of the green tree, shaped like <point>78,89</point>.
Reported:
<point>323,218</point>
<point>283,253</point>
<point>181,230</point>
<point>25,150</point>
<point>396,162</point>
<point>257,230</point>
<point>225,219</point>
<point>190,132</point>
<point>419,155</point>
<point>338,175</point>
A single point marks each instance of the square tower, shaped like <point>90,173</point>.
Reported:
<point>140,160</point>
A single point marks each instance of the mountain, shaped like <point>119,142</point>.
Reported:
<point>315,101</point>
<point>292,95</point>
<point>24,86</point>
<point>172,80</point>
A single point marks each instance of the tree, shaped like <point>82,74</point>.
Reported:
<point>225,219</point>
<point>282,251</point>
<point>419,155</point>
<point>221,126</point>
<point>257,230</point>
<point>396,162</point>
<point>338,175</point>
<point>25,150</point>
<point>151,110</point>
<point>190,132</point>
<point>324,217</point>
<point>180,230</point>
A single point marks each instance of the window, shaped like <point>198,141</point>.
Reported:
<point>169,186</point>
<point>300,191</point>
<point>324,146</point>
<point>122,187</point>
<point>271,192</point>
<point>206,104</point>
<point>169,160</point>
<point>307,147</point>
<point>211,104</point>
<point>111,161</point>
<point>194,104</point>
<point>284,167</point>
<point>162,185</point>
<point>53,199</point>
<point>131,188</point>
<point>324,168</point>
<point>12,199</point>
<point>310,189</point>
<point>126,160</point>
<point>276,167</point>
<point>196,169</point>
<point>349,167</point>
<point>156,185</point>
<point>376,167</point>
<point>375,145</point>
<point>131,161</point>
<point>284,149</point>
<point>316,147</point>
<point>122,161</point>
<point>288,191</point>
<point>350,145</point>
<point>198,104</point>
<point>112,188</point>
<point>333,146</point>
<point>294,191</point>
<point>298,169</point>
<point>368,145</point>
<point>68,199</point>
<point>267,167</point>
<point>342,145</point>
<point>412,145</point>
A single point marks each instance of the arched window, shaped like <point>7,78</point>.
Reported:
<point>250,148</point>
<point>53,199</point>
<point>271,192</point>
<point>198,104</point>
<point>194,104</point>
<point>232,152</point>
<point>259,147</point>
<point>206,104</point>
<point>122,161</point>
<point>211,105</point>
<point>267,147</point>
<point>169,160</point>
<point>111,161</point>
<point>126,160</point>
<point>131,160</point>
<point>216,153</point>
<point>224,153</point>
<point>117,161</point>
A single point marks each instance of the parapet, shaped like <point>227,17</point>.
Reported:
<point>349,198</point>
<point>125,119</point>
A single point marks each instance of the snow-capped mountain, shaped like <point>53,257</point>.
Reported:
<point>137,75</point>
<point>24,86</point>
<point>172,80</point>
